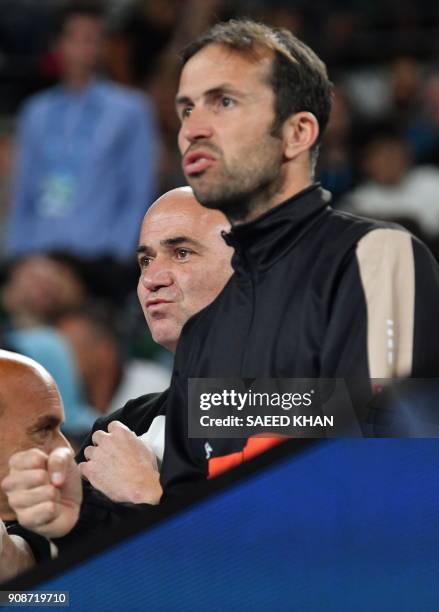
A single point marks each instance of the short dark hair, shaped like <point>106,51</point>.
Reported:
<point>299,77</point>
<point>88,8</point>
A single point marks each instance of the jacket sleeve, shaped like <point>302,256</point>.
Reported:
<point>99,514</point>
<point>383,317</point>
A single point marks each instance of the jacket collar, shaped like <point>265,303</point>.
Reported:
<point>260,243</point>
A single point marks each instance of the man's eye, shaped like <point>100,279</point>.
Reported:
<point>182,254</point>
<point>227,102</point>
<point>186,112</point>
<point>45,431</point>
<point>144,262</point>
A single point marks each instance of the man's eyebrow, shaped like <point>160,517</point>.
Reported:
<point>46,421</point>
<point>144,249</point>
<point>222,88</point>
<point>182,101</point>
<point>178,240</point>
<point>225,88</point>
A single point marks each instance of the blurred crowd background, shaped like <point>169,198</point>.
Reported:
<point>80,164</point>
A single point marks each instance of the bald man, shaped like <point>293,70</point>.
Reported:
<point>184,263</point>
<point>31,415</point>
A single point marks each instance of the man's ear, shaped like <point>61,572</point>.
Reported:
<point>300,132</point>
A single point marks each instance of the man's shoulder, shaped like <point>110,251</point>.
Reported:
<point>375,246</point>
<point>346,229</point>
<point>39,102</point>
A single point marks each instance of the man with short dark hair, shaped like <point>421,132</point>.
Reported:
<point>271,97</point>
<point>87,153</point>
<point>316,293</point>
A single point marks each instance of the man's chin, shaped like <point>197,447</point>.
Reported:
<point>167,338</point>
<point>235,207</point>
<point>208,197</point>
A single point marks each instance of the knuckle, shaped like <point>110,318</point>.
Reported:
<point>50,493</point>
<point>27,518</point>
<point>5,484</point>
<point>46,513</point>
<point>39,477</point>
<point>97,436</point>
<point>12,500</point>
<point>88,451</point>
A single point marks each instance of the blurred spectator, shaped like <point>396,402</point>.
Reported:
<point>109,379</point>
<point>406,81</point>
<point>87,156</point>
<point>37,290</point>
<point>370,91</point>
<point>393,187</point>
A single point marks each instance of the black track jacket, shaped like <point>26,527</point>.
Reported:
<point>316,293</point>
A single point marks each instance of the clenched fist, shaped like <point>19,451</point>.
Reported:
<point>121,466</point>
<point>44,491</point>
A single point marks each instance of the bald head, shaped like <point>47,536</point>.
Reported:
<point>184,262</point>
<point>16,370</point>
<point>181,201</point>
<point>31,412</point>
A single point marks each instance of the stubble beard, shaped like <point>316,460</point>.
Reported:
<point>245,192</point>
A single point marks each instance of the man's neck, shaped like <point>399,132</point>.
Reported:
<point>262,204</point>
<point>77,81</point>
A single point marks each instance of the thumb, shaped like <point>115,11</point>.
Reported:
<point>58,465</point>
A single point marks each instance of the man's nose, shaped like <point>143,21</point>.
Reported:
<point>196,126</point>
<point>156,277</point>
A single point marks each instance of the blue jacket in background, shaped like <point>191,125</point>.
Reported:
<point>86,171</point>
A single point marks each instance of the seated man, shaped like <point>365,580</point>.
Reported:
<point>184,263</point>
<point>31,414</point>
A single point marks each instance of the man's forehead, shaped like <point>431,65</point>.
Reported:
<point>218,63</point>
<point>164,224</point>
<point>178,214</point>
<point>170,217</point>
<point>31,398</point>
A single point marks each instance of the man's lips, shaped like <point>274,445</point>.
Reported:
<point>197,161</point>
<point>154,303</point>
